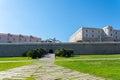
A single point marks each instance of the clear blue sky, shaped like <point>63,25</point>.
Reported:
<point>57,18</point>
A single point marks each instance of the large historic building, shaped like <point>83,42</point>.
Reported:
<point>14,38</point>
<point>85,34</point>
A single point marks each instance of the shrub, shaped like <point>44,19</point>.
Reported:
<point>24,54</point>
<point>64,52</point>
<point>36,53</point>
<point>31,53</point>
<point>59,52</point>
<point>69,52</point>
<point>40,52</point>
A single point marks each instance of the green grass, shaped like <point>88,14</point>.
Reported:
<point>5,66</point>
<point>109,69</point>
<point>90,56</point>
<point>14,58</point>
<point>31,78</point>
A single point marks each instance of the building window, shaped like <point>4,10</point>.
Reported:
<point>9,35</point>
<point>31,36</point>
<point>111,34</point>
<point>0,37</point>
<point>14,39</point>
<point>92,35</point>
<point>116,37</point>
<point>86,35</point>
<point>110,29</point>
<point>25,40</point>
<point>7,38</point>
<point>86,30</point>
<point>92,30</point>
<point>36,40</point>
<point>99,36</point>
<point>115,32</point>
<point>21,36</point>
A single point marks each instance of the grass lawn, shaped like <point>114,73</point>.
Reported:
<point>14,58</point>
<point>4,65</point>
<point>90,57</point>
<point>109,69</point>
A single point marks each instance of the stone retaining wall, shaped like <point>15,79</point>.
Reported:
<point>16,49</point>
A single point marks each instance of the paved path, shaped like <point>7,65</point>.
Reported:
<point>45,70</point>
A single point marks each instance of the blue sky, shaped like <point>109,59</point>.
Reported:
<point>57,18</point>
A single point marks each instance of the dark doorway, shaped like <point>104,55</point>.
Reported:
<point>50,51</point>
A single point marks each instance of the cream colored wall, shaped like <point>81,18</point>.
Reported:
<point>76,36</point>
<point>96,34</point>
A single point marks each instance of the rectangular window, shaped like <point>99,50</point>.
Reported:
<point>111,34</point>
<point>86,30</point>
<point>86,35</point>
<point>92,35</point>
<point>25,40</point>
<point>110,29</point>
<point>99,36</point>
<point>21,36</point>
<point>10,35</point>
<point>36,40</point>
<point>14,39</point>
<point>92,30</point>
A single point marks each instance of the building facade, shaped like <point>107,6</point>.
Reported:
<point>14,38</point>
<point>85,34</point>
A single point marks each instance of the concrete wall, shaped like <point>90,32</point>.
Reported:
<point>79,48</point>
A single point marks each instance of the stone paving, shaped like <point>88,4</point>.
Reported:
<point>45,70</point>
